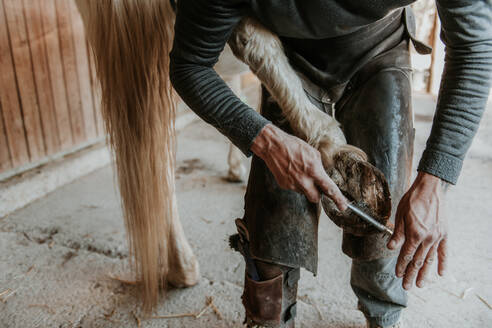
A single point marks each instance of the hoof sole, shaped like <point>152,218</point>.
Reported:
<point>364,185</point>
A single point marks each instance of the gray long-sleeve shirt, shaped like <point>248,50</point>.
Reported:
<point>203,27</point>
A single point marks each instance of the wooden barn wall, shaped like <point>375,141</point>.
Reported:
<point>48,98</point>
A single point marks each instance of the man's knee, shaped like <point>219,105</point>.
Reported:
<point>377,286</point>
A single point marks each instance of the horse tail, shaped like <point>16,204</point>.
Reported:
<point>130,40</point>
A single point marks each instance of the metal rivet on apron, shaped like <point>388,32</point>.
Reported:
<point>326,99</point>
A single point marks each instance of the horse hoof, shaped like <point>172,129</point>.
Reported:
<point>184,277</point>
<point>328,153</point>
<point>236,174</point>
<point>364,185</point>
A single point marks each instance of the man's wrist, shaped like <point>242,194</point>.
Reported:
<point>432,180</point>
<point>263,141</point>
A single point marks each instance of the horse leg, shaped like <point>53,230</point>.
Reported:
<point>235,159</point>
<point>183,266</point>
<point>237,170</point>
<point>262,51</point>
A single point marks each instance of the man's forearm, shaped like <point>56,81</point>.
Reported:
<point>465,85</point>
<point>211,99</point>
<point>196,49</point>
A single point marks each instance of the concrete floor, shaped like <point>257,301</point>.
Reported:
<point>58,254</point>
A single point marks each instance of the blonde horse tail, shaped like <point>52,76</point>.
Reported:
<point>130,40</point>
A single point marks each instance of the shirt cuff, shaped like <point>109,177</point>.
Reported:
<point>441,165</point>
<point>246,130</point>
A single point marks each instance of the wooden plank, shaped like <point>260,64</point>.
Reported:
<point>96,95</point>
<point>70,69</point>
<point>11,110</point>
<point>83,71</point>
<point>35,33</point>
<point>50,31</point>
<point>5,162</point>
<point>23,69</point>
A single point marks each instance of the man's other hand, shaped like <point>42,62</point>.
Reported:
<point>420,231</point>
<point>296,165</point>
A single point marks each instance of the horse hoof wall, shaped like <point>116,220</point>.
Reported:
<point>184,277</point>
<point>236,174</point>
<point>365,186</point>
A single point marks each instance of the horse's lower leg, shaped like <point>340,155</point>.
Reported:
<point>237,170</point>
<point>235,159</point>
<point>183,266</point>
<point>262,51</point>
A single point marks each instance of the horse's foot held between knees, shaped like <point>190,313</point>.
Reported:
<point>184,276</point>
<point>364,185</point>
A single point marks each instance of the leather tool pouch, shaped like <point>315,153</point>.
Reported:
<point>263,300</point>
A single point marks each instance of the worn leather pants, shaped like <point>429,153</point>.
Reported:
<point>374,110</point>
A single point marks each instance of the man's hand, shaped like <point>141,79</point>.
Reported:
<point>296,165</point>
<point>420,230</point>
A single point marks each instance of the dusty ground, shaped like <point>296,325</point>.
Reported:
<point>58,254</point>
